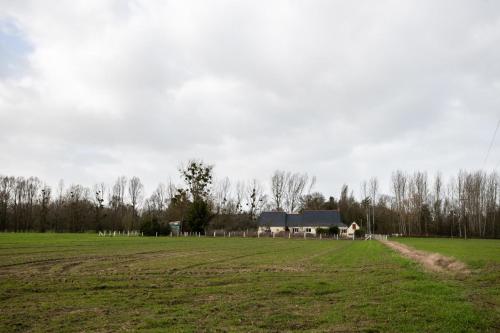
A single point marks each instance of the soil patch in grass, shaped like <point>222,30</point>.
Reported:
<point>432,261</point>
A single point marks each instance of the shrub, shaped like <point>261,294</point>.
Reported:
<point>198,216</point>
<point>322,231</point>
<point>333,230</point>
<point>151,227</point>
<point>359,233</point>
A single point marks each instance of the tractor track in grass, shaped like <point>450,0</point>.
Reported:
<point>222,261</point>
<point>431,261</point>
<point>67,264</point>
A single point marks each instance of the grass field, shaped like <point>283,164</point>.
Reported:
<point>477,253</point>
<point>482,256</point>
<point>81,282</point>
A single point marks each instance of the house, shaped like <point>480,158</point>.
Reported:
<point>352,228</point>
<point>307,222</point>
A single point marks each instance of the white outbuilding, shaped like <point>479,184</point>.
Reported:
<point>352,229</point>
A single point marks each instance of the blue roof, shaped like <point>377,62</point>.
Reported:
<point>272,219</point>
<point>294,220</point>
<point>322,218</point>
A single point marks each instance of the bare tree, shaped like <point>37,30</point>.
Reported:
<point>256,199</point>
<point>135,189</point>
<point>77,196</point>
<point>295,185</point>
<point>399,183</point>
<point>119,189</point>
<point>99,193</point>
<point>33,185</point>
<point>59,204</point>
<point>44,207</point>
<point>160,197</point>
<point>6,188</point>
<point>451,206</point>
<point>421,198</point>
<point>437,205</point>
<point>117,201</point>
<point>460,188</point>
<point>240,196</point>
<point>278,186</point>
<point>491,204</point>
<point>221,195</point>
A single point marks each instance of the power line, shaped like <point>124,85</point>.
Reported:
<point>491,144</point>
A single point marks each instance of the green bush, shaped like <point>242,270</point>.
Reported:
<point>333,230</point>
<point>198,216</point>
<point>359,233</point>
<point>151,227</point>
<point>322,231</point>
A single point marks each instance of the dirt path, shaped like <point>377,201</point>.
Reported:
<point>432,261</point>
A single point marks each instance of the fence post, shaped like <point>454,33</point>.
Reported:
<point>214,233</point>
<point>320,236</point>
<point>157,234</point>
<point>305,235</point>
<point>244,234</point>
<point>289,235</point>
<point>258,234</point>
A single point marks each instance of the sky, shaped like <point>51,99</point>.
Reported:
<point>343,90</point>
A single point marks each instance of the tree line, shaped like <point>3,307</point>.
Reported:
<point>466,205</point>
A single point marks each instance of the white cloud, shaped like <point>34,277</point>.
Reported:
<point>341,90</point>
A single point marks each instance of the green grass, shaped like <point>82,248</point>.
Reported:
<point>477,253</point>
<point>80,282</point>
<point>482,256</point>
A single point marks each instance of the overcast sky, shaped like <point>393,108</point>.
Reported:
<point>344,90</point>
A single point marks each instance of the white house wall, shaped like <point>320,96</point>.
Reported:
<point>309,230</point>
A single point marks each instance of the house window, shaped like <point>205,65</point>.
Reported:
<point>295,229</point>
<point>308,229</point>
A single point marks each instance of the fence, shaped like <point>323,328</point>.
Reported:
<point>378,237</point>
<point>258,234</point>
<point>128,233</point>
<point>244,234</point>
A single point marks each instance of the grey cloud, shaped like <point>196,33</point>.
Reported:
<point>341,90</point>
